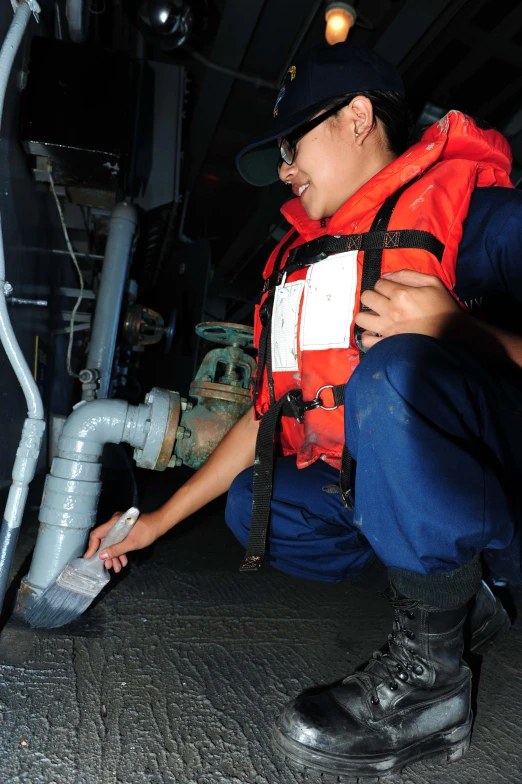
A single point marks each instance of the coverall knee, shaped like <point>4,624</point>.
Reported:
<point>437,441</point>
<point>311,533</point>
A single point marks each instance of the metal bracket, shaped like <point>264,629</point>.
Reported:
<point>8,289</point>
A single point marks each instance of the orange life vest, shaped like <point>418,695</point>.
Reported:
<point>312,341</point>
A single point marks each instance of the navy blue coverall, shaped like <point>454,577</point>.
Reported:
<point>437,442</point>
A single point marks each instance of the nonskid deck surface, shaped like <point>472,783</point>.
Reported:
<point>177,674</point>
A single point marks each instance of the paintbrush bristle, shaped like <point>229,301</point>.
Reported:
<point>56,607</point>
<point>68,597</point>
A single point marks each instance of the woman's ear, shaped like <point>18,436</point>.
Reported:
<point>362,117</point>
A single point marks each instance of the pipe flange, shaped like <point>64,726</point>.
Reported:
<point>165,412</point>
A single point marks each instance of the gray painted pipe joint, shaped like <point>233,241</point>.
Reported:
<point>72,488</point>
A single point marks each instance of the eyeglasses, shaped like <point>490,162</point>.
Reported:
<point>288,145</point>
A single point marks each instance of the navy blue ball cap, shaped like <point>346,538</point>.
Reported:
<point>318,76</point>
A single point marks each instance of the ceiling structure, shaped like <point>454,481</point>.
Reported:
<point>464,54</point>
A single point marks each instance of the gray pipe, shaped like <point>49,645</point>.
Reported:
<point>73,486</point>
<point>33,428</point>
<point>14,353</point>
<point>122,228</point>
<point>74,11</point>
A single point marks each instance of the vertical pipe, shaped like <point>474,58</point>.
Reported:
<point>8,53</point>
<point>76,20</point>
<point>34,426</point>
<point>122,228</point>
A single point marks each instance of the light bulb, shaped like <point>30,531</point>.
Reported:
<point>340,18</point>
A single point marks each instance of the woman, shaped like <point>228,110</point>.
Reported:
<point>386,243</point>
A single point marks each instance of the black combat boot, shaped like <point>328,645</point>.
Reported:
<point>487,619</point>
<point>411,701</point>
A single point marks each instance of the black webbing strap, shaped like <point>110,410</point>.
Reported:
<point>373,257</point>
<point>268,362</point>
<point>265,316</point>
<point>371,273</point>
<point>373,243</point>
<point>345,477</point>
<point>291,404</point>
<point>262,487</point>
<point>264,354</point>
<point>373,240</point>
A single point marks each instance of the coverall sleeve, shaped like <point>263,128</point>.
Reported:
<point>490,253</point>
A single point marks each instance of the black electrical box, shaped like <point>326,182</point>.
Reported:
<point>77,111</point>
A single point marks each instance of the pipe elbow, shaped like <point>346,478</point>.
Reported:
<point>91,425</point>
<point>72,488</point>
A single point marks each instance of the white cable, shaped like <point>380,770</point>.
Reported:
<point>80,276</point>
<point>258,81</point>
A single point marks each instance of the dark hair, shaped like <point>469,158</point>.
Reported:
<point>394,112</point>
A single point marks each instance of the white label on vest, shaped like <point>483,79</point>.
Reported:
<point>328,304</point>
<point>285,318</point>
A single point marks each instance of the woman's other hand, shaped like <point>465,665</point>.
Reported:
<point>407,301</point>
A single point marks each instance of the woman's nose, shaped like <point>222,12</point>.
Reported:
<point>286,171</point>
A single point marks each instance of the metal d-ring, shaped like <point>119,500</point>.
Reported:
<point>325,408</point>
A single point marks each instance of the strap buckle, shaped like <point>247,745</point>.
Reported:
<point>309,252</point>
<point>358,333</point>
<point>298,406</point>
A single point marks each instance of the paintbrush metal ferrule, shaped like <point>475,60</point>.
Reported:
<point>71,579</point>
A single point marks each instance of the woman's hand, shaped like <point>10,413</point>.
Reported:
<point>143,533</point>
<point>406,301</point>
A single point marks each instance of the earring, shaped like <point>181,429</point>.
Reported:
<point>357,134</point>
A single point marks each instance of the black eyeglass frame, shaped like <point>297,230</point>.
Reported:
<point>294,136</point>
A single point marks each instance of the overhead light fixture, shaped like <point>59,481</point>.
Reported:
<point>165,22</point>
<point>340,18</point>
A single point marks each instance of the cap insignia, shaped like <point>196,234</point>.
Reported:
<point>280,97</point>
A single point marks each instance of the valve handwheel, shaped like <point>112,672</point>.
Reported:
<point>226,334</point>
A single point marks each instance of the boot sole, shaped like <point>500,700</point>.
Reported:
<point>492,630</point>
<point>442,748</point>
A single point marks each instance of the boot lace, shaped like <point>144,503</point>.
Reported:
<point>397,660</point>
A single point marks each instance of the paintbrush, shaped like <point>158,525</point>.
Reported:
<point>79,583</point>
